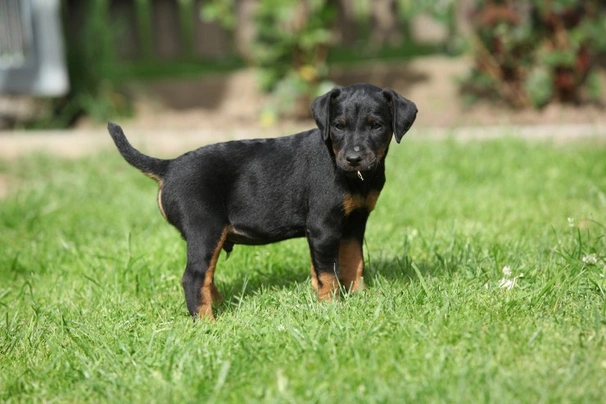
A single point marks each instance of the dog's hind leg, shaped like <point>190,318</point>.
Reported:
<point>203,248</point>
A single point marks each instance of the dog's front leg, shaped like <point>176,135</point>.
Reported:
<point>351,258</point>
<point>324,248</point>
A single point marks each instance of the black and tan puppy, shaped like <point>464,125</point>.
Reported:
<point>320,184</point>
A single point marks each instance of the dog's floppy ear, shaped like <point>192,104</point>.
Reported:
<point>403,112</point>
<point>320,110</point>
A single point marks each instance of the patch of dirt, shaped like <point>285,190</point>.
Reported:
<point>225,102</point>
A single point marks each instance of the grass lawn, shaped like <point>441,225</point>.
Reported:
<point>91,307</point>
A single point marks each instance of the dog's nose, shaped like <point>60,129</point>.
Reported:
<point>353,158</point>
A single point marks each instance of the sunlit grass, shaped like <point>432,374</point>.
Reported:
<point>91,307</point>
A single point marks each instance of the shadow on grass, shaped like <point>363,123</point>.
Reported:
<point>400,269</point>
<point>403,269</point>
<point>251,283</point>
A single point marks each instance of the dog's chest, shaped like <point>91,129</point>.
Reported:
<point>352,202</point>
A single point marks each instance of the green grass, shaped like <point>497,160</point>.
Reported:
<point>91,308</point>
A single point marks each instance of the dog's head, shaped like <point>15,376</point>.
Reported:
<point>359,121</point>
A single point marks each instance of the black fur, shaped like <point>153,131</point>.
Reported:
<point>320,184</point>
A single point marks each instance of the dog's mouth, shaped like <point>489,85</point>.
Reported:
<point>359,169</point>
<point>359,175</point>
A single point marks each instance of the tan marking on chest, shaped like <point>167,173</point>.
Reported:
<point>371,200</point>
<point>353,202</point>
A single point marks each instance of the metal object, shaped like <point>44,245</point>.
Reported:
<point>32,59</point>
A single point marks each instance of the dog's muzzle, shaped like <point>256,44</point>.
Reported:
<point>356,161</point>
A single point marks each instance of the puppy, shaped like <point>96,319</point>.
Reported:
<point>320,184</point>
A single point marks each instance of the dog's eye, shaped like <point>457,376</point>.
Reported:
<point>339,126</point>
<point>375,126</point>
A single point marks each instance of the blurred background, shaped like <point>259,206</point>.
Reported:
<point>224,64</point>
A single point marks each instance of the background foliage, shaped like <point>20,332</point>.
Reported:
<point>530,53</point>
<point>527,53</point>
<point>293,40</point>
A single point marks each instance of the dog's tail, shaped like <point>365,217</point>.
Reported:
<point>150,166</point>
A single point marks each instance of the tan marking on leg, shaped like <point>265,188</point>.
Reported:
<point>327,286</point>
<point>208,287</point>
<point>351,264</point>
<point>216,295</point>
<point>314,279</point>
<point>160,185</point>
<point>160,201</point>
<point>153,176</point>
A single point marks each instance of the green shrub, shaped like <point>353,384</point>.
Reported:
<point>290,48</point>
<point>535,52</point>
